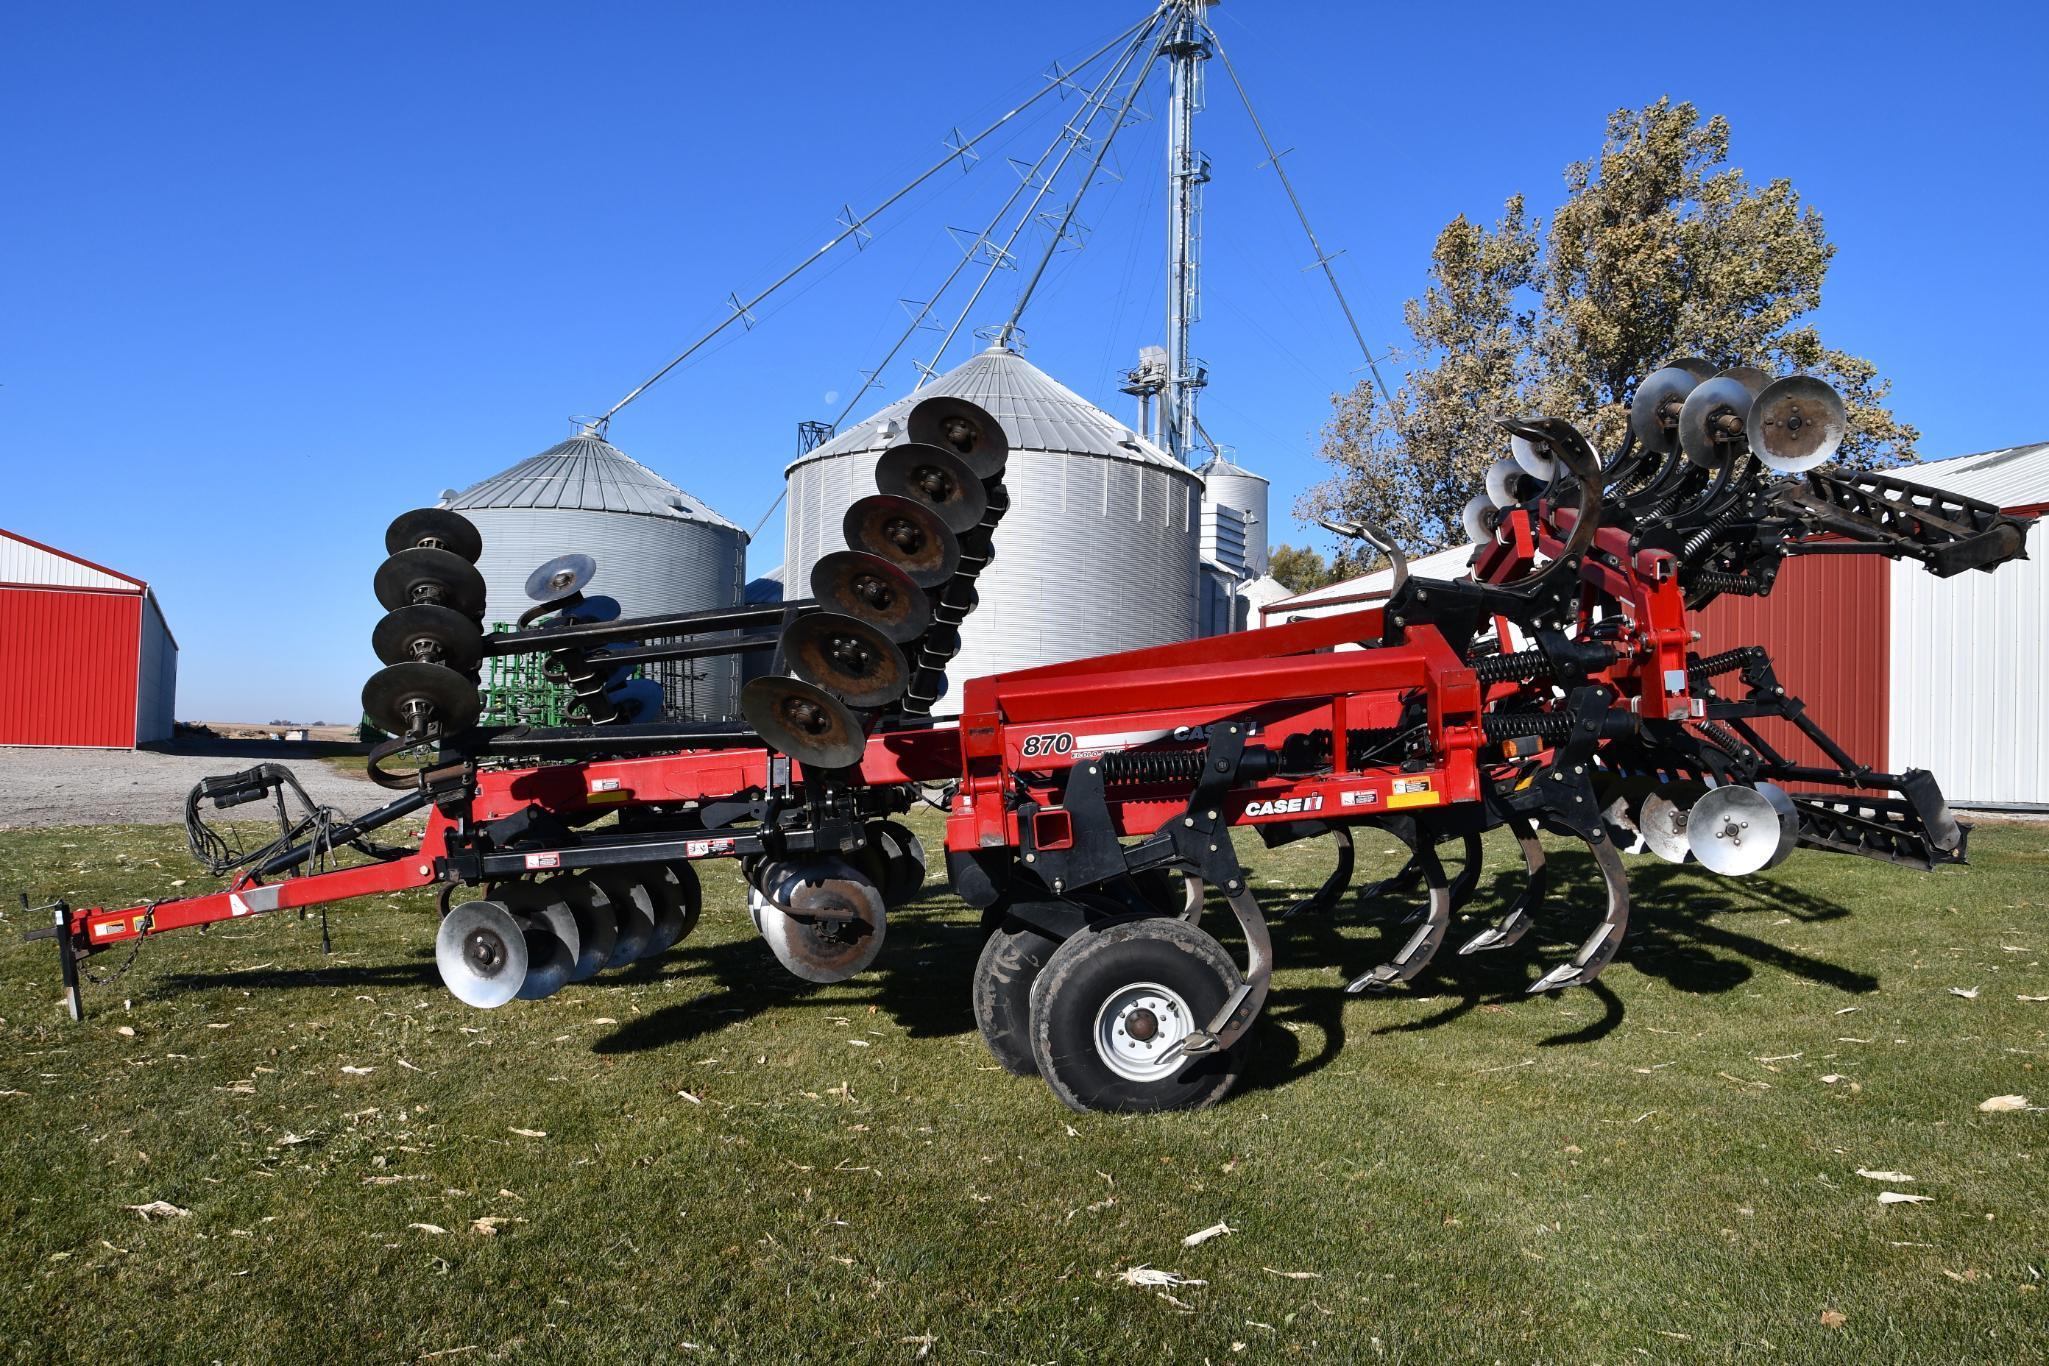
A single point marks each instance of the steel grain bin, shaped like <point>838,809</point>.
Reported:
<point>657,548</point>
<point>1234,516</point>
<point>1097,553</point>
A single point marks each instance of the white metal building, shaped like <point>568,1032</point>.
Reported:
<point>1367,590</point>
<point>1098,550</point>
<point>1970,654</point>
<point>658,549</point>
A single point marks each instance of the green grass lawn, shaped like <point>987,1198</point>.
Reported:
<point>703,1156</point>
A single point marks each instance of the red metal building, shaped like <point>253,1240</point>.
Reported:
<point>85,656</point>
<point>1828,628</point>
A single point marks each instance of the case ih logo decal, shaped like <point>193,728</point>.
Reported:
<point>1201,733</point>
<point>1285,806</point>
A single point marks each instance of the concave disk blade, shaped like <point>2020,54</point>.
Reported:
<point>906,862</point>
<point>805,722</point>
<point>907,534</point>
<point>959,426</point>
<point>1797,423</point>
<point>1478,519</point>
<point>1654,411</point>
<point>847,657</point>
<point>1506,483</point>
<point>552,938</point>
<point>423,574</point>
<point>679,900</point>
<point>482,954</point>
<point>451,698</point>
<point>937,478</point>
<point>1662,818</point>
<point>823,920</point>
<point>559,577</point>
<point>857,584</point>
<point>434,529</point>
<point>1735,830</point>
<point>426,632</point>
<point>1534,460</point>
<point>633,905</point>
<point>597,927</point>
<point>1700,436</point>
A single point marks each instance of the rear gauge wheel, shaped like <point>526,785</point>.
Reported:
<point>1012,958</point>
<point>1112,1006</point>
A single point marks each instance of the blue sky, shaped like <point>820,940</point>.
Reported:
<point>274,273</point>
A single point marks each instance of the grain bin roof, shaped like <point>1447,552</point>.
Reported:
<point>1037,411</point>
<point>1218,464</point>
<point>590,473</point>
<point>2013,477</point>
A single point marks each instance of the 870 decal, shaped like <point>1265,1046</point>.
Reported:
<point>1043,746</point>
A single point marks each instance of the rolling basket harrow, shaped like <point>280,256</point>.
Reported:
<point>1090,805</point>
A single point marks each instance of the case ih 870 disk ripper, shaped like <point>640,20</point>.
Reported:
<point>1090,805</point>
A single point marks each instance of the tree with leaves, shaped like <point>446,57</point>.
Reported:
<point>1299,568</point>
<point>1661,249</point>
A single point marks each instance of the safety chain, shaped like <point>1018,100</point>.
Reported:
<point>142,930</point>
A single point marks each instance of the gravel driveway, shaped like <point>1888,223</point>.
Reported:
<point>110,787</point>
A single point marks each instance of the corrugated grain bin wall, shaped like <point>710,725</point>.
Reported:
<point>1827,627</point>
<point>69,670</point>
<point>1970,656</point>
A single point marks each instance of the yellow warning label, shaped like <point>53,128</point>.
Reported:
<point>1398,800</point>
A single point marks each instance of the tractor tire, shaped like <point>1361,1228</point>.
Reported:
<point>1012,957</point>
<point>1111,1004</point>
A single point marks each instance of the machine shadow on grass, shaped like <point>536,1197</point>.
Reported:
<point>920,980</point>
<point>1680,933</point>
<point>417,970</point>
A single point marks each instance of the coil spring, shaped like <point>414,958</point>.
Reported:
<point>1740,585</point>
<point>1153,766</point>
<point>1362,740</point>
<point>1510,668</point>
<point>1646,515</point>
<point>1311,751</point>
<point>1699,540</point>
<point>1728,661</point>
<point>1726,738</point>
<point>1505,725</point>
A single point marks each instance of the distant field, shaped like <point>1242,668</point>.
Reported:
<point>704,1157</point>
<point>257,730</point>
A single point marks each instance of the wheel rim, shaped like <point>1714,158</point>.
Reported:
<point>1139,1031</point>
